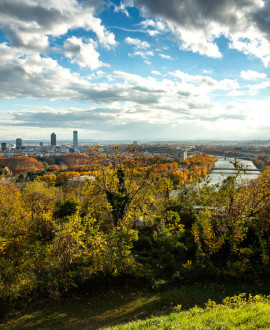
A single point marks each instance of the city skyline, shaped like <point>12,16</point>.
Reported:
<point>135,69</point>
<point>52,139</point>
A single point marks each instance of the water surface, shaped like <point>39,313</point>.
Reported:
<point>226,163</point>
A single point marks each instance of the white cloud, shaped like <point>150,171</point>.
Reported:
<point>152,33</point>
<point>198,24</point>
<point>43,78</point>
<point>28,24</point>
<point>227,84</point>
<point>139,48</point>
<point>36,29</point>
<point>197,41</point>
<point>236,93</point>
<point>127,101</point>
<point>124,4</point>
<point>156,25</point>
<point>143,54</point>
<point>38,77</point>
<point>137,43</point>
<point>105,37</point>
<point>7,53</point>
<point>156,73</point>
<point>84,54</point>
<point>194,78</point>
<point>165,57</point>
<point>206,71</point>
<point>252,43</point>
<point>252,75</point>
<point>256,87</point>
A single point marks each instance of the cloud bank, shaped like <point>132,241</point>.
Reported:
<point>197,24</point>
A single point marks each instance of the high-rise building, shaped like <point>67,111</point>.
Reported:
<point>53,139</point>
<point>183,155</point>
<point>18,143</point>
<point>75,140</point>
<point>3,146</point>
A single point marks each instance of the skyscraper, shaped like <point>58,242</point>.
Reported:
<point>75,140</point>
<point>53,139</point>
<point>18,143</point>
<point>3,146</point>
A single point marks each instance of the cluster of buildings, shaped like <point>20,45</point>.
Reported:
<point>169,151</point>
<point>172,152</point>
<point>53,140</point>
<point>41,149</point>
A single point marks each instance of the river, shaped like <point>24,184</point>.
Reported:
<point>225,163</point>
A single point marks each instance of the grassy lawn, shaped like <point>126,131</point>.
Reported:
<point>121,304</point>
<point>245,315</point>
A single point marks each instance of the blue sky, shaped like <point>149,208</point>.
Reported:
<point>135,69</point>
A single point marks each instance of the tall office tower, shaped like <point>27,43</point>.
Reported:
<point>53,139</point>
<point>75,140</point>
<point>183,155</point>
<point>18,143</point>
<point>3,146</point>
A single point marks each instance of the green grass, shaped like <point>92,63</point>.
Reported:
<point>122,304</point>
<point>253,314</point>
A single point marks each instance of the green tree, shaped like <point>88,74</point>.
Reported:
<point>122,179</point>
<point>40,199</point>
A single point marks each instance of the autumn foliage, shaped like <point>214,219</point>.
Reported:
<point>261,161</point>
<point>193,169</point>
<point>54,237</point>
<point>21,164</point>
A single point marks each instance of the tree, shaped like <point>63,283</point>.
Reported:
<point>40,201</point>
<point>122,179</point>
<point>21,164</point>
<point>232,233</point>
<point>6,173</point>
<point>12,212</point>
<point>49,178</point>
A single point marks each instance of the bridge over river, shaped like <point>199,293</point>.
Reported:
<point>233,169</point>
<point>224,167</point>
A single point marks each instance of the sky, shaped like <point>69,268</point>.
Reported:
<point>135,69</point>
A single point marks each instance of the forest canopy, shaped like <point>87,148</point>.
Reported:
<point>127,221</point>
